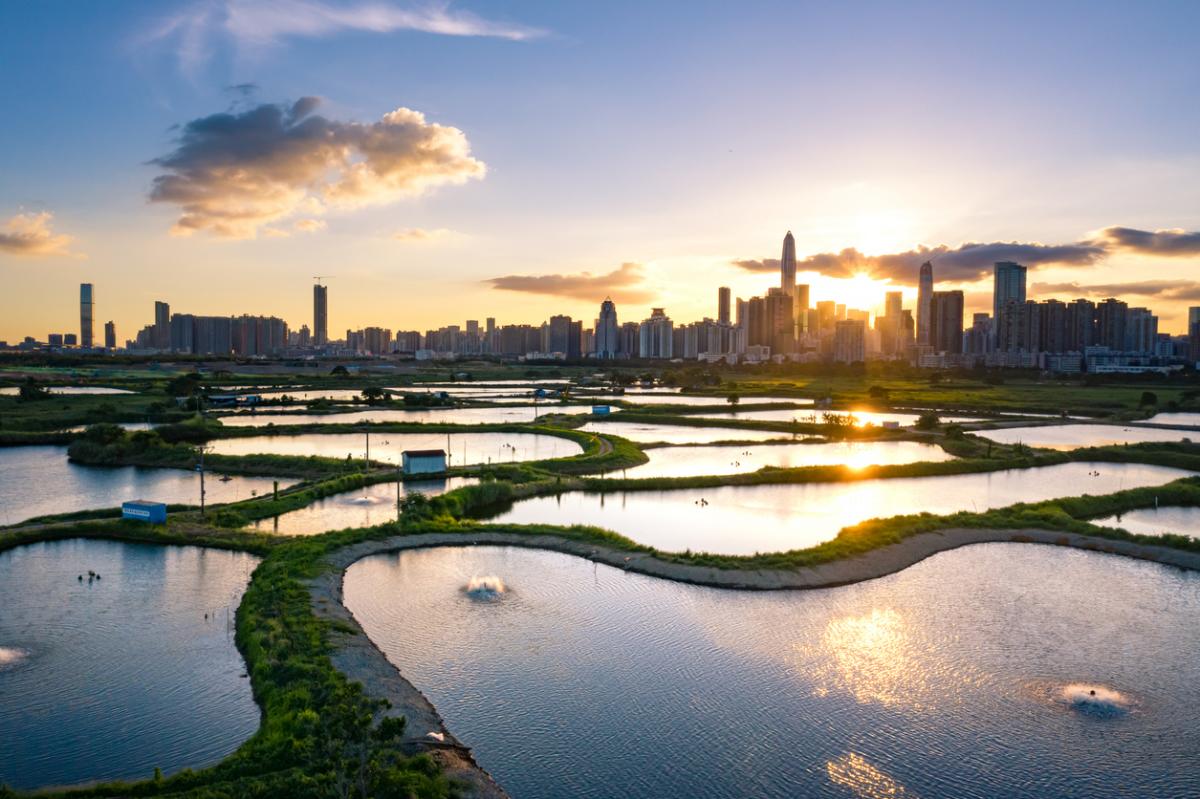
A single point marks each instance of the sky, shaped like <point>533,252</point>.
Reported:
<point>451,161</point>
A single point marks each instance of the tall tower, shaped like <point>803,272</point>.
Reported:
<point>787,265</point>
<point>924,303</point>
<point>1008,291</point>
<point>162,325</point>
<point>87,302</point>
<point>607,337</point>
<point>320,315</point>
<point>723,295</point>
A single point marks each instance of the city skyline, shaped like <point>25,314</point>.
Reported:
<point>523,215</point>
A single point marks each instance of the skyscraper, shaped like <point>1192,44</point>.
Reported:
<point>946,321</point>
<point>723,295</point>
<point>110,335</point>
<point>87,301</point>
<point>924,303</point>
<point>1008,291</point>
<point>850,341</point>
<point>1193,330</point>
<point>162,325</point>
<point>608,342</point>
<point>321,315</point>
<point>655,336</point>
<point>801,308</point>
<point>787,265</point>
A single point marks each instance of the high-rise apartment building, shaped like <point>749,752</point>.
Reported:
<point>924,302</point>
<point>110,336</point>
<point>87,311</point>
<point>787,265</point>
<point>1008,292</point>
<point>723,297</point>
<point>162,325</point>
<point>608,342</point>
<point>850,341</point>
<point>656,336</point>
<point>801,308</point>
<point>1110,324</point>
<point>320,315</point>
<point>1193,333</point>
<point>946,322</point>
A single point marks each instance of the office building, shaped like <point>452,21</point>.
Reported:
<point>787,265</point>
<point>607,342</point>
<point>801,308</point>
<point>924,302</point>
<point>110,336</point>
<point>1193,333</point>
<point>1008,292</point>
<point>723,296</point>
<point>320,315</point>
<point>87,309</point>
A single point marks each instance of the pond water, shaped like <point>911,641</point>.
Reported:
<point>690,399</point>
<point>680,434</point>
<point>952,678</point>
<point>1156,521</point>
<point>489,415</point>
<point>1176,419</point>
<point>692,461</point>
<point>116,676</point>
<point>362,507</point>
<point>742,520</point>
<point>463,448</point>
<point>38,481</point>
<point>810,416</point>
<point>1071,436</point>
<point>12,391</point>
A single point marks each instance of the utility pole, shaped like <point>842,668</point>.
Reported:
<point>368,450</point>
<point>201,468</point>
<point>399,480</point>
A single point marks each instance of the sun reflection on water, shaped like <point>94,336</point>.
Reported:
<point>854,772</point>
<point>872,658</point>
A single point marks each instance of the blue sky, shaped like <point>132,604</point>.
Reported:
<point>676,136</point>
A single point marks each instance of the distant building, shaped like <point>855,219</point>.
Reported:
<point>320,315</point>
<point>1193,334</point>
<point>87,303</point>
<point>110,336</point>
<point>1008,295</point>
<point>162,326</point>
<point>423,461</point>
<point>850,341</point>
<point>655,336</point>
<point>924,303</point>
<point>946,322</point>
<point>787,265</point>
<point>607,342</point>
<point>723,298</point>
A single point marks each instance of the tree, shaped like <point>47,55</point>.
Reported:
<point>878,393</point>
<point>1149,398</point>
<point>32,390</point>
<point>733,399</point>
<point>340,371</point>
<point>927,421</point>
<point>374,395</point>
<point>184,385</point>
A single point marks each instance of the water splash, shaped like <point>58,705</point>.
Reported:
<point>1094,700</point>
<point>11,657</point>
<point>366,499</point>
<point>486,587</point>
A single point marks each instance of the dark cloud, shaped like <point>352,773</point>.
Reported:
<point>244,89</point>
<point>1175,242</point>
<point>234,173</point>
<point>964,263</point>
<point>1162,289</point>
<point>30,234</point>
<point>622,284</point>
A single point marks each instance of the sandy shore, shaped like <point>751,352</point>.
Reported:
<point>360,660</point>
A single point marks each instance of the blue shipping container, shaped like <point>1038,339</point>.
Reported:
<point>143,511</point>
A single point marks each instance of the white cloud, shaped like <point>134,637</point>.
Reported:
<point>30,234</point>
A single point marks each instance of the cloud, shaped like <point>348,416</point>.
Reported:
<point>967,262</point>
<point>309,225</point>
<point>30,234</point>
<point>195,33</point>
<point>416,234</point>
<point>1171,242</point>
<point>622,284</point>
<point>232,174</point>
<point>1162,289</point>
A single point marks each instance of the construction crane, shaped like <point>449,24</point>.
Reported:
<point>319,278</point>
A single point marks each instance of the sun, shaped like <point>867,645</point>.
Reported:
<point>861,291</point>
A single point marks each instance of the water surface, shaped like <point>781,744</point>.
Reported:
<point>742,520</point>
<point>38,481</point>
<point>506,414</point>
<point>1176,419</point>
<point>362,507</point>
<point>1071,436</point>
<point>692,461</point>
<point>809,416</point>
<point>944,681</point>
<point>122,674</point>
<point>463,448</point>
<point>680,434</point>
<point>1156,521</point>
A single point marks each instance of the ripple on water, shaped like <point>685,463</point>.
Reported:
<point>11,657</point>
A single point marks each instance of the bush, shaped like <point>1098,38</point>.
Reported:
<point>927,421</point>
